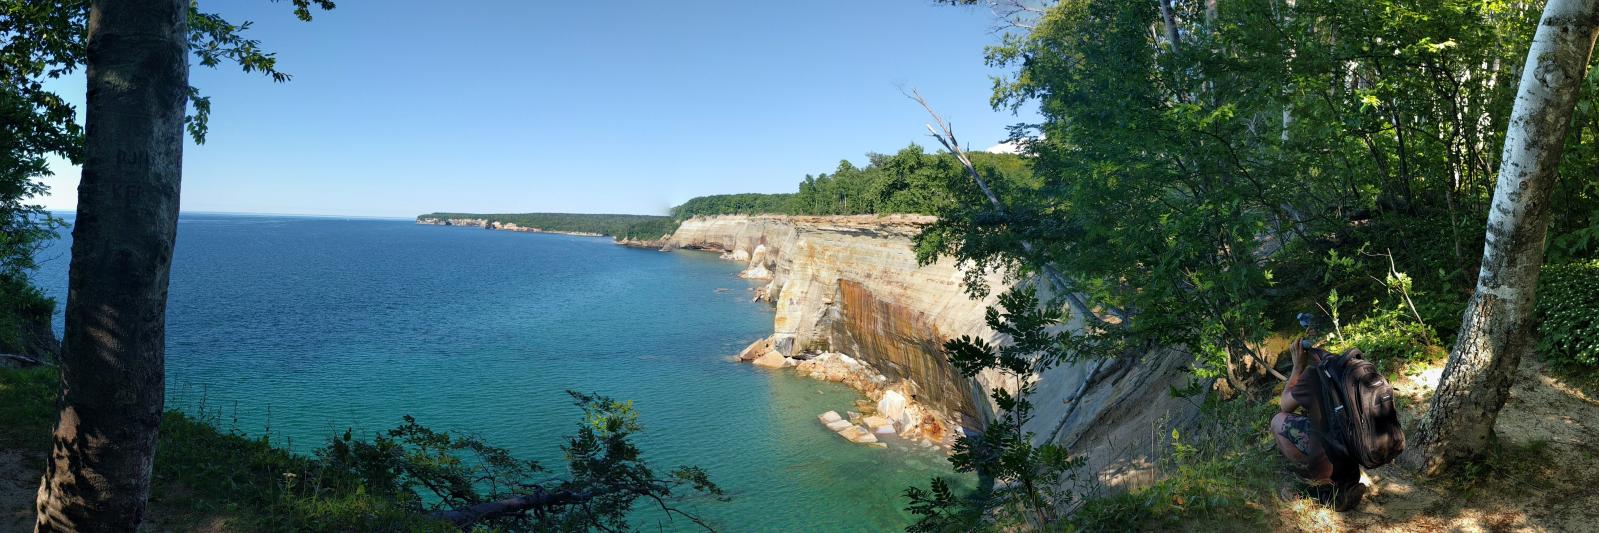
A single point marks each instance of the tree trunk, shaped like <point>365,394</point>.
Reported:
<point>1169,21</point>
<point>112,363</point>
<point>1495,331</point>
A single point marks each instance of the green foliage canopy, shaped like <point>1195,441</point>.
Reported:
<point>910,181</point>
<point>1198,184</point>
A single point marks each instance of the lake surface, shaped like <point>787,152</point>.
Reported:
<point>300,327</point>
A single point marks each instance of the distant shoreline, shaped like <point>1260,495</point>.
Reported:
<point>181,214</point>
<point>641,231</point>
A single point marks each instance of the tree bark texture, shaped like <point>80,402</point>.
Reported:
<point>112,364</point>
<point>1496,329</point>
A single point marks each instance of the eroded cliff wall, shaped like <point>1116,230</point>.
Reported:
<point>852,285</point>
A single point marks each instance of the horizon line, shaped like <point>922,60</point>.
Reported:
<point>182,212</point>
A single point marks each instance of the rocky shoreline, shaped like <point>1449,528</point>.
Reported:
<point>889,409</point>
<point>854,305</point>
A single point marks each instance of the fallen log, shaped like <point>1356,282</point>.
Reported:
<point>8,360</point>
<point>537,501</point>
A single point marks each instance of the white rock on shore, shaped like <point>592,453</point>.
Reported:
<point>892,405</point>
<point>756,272</point>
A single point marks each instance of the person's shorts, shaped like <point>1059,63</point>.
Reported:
<point>1297,430</point>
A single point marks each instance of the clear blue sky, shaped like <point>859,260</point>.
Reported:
<point>404,107</point>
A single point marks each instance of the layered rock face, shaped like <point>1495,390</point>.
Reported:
<point>851,285</point>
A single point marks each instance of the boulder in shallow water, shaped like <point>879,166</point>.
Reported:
<point>839,425</point>
<point>857,434</point>
<point>756,272</point>
<point>877,421</point>
<point>755,349</point>
<point>830,416</point>
<point>771,359</point>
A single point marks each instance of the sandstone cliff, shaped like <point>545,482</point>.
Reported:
<point>852,285</point>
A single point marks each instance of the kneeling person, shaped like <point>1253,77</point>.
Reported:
<point>1335,481</point>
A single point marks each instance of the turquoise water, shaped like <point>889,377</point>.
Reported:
<point>302,327</point>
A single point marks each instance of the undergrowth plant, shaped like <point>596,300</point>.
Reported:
<point>1392,333</point>
<point>1567,323</point>
<point>1390,338</point>
<point>1219,475</point>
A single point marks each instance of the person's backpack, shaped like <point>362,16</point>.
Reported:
<point>1359,418</point>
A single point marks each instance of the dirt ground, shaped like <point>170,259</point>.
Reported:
<point>1544,480</point>
<point>19,482</point>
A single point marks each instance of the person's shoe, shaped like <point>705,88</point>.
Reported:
<point>1349,498</point>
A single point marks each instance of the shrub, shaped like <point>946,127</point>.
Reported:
<point>23,310</point>
<point>1389,338</point>
<point>1213,479</point>
<point>1567,325</point>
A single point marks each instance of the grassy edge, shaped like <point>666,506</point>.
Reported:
<point>206,478</point>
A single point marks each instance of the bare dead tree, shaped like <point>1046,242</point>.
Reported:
<point>945,134</point>
<point>1011,14</point>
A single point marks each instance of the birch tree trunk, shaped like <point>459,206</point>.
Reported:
<point>1169,21</point>
<point>112,368</point>
<point>1495,331</point>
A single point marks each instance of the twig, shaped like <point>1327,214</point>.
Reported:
<point>1337,329</point>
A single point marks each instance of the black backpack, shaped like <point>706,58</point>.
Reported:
<point>1359,420</point>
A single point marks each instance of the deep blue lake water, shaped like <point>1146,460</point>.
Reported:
<point>300,327</point>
